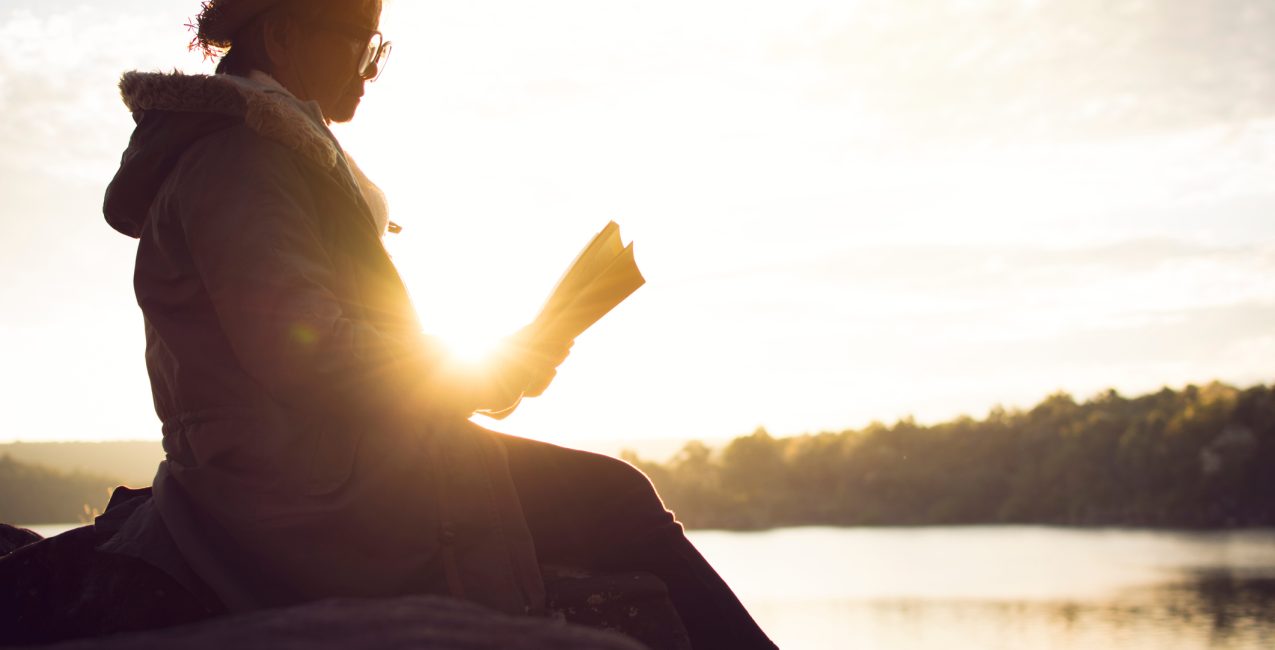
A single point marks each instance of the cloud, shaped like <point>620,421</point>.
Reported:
<point>58,75</point>
<point>64,125</point>
<point>996,268</point>
<point>939,310</point>
<point>1005,69</point>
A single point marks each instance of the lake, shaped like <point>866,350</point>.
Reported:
<point>1003,587</point>
<point>991,587</point>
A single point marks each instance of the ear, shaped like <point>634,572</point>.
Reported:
<point>279,35</point>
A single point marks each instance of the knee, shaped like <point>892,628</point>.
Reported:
<point>625,475</point>
<point>629,472</point>
<point>611,482</point>
<point>631,490</point>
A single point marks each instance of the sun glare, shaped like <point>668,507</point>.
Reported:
<point>470,348</point>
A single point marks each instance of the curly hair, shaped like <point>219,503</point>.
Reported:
<point>225,25</point>
<point>214,34</point>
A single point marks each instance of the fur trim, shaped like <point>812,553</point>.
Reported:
<point>274,115</point>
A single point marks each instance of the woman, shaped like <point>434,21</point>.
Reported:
<point>317,444</point>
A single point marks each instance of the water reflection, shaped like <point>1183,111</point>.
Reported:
<point>1004,587</point>
<point>1229,602</point>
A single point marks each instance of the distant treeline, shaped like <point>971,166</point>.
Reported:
<point>1198,457</point>
<point>34,494</point>
<point>131,461</point>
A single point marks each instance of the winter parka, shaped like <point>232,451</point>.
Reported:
<point>304,456</point>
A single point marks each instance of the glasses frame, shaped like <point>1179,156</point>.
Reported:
<point>376,50</point>
<point>373,61</point>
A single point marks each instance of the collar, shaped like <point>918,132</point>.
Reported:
<point>264,104</point>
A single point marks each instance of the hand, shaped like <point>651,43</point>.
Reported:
<point>533,360</point>
<point>460,388</point>
<point>497,393</point>
<point>524,366</point>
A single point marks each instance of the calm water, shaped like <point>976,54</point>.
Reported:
<point>1001,587</point>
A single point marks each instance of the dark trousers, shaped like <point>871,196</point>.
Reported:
<point>602,513</point>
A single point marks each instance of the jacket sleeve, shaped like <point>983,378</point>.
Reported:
<point>251,226</point>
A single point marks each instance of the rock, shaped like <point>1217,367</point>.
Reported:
<point>407,623</point>
<point>62,588</point>
<point>636,604</point>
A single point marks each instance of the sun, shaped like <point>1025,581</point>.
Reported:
<point>469,346</point>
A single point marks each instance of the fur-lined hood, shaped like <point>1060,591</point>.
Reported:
<point>203,104</point>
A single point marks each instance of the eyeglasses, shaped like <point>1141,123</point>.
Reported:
<point>375,53</point>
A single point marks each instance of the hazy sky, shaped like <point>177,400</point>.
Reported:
<point>846,211</point>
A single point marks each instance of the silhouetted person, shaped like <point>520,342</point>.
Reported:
<point>317,444</point>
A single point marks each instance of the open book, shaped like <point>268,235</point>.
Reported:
<point>601,277</point>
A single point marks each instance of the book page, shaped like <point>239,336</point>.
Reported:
<point>602,276</point>
<point>594,300</point>
<point>588,264</point>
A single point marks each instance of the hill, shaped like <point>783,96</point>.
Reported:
<point>133,461</point>
<point>33,494</point>
<point>1197,457</point>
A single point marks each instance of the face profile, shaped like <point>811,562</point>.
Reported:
<point>334,56</point>
<point>324,52</point>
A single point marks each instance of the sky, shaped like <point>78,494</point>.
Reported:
<point>846,211</point>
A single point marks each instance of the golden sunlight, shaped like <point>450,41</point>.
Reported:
<point>991,282</point>
<point>469,346</point>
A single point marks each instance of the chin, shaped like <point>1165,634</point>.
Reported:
<point>343,110</point>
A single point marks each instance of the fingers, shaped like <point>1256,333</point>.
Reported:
<point>532,360</point>
<point>523,369</point>
<point>541,355</point>
<point>550,359</point>
<point>500,390</point>
<point>539,384</point>
<point>545,352</point>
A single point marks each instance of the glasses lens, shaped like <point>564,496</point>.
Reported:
<point>368,58</point>
<point>382,58</point>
